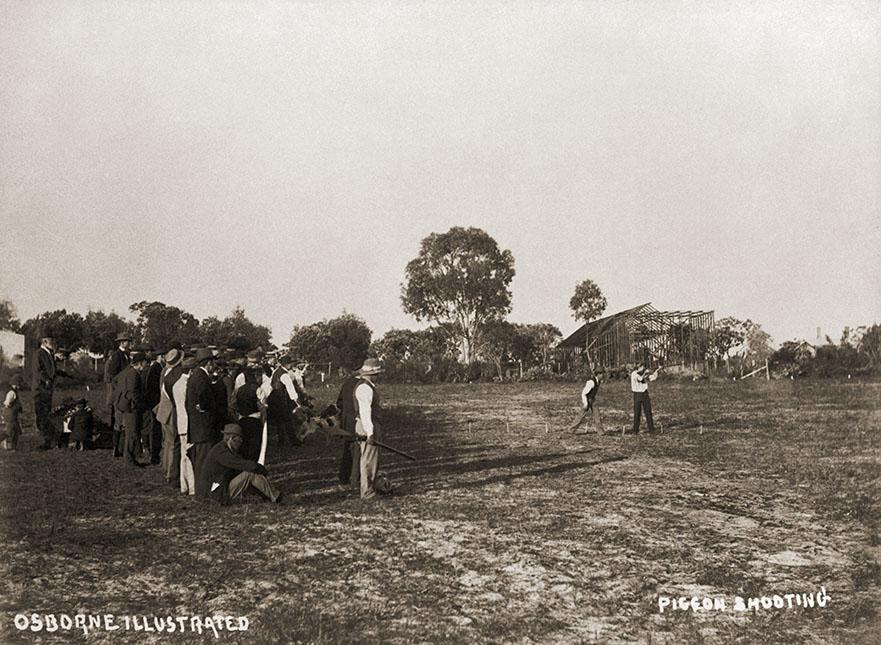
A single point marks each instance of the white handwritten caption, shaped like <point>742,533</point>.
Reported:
<point>776,601</point>
<point>87,623</point>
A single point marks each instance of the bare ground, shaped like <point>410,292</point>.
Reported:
<point>506,529</point>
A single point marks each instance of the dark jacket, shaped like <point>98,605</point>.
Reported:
<point>81,425</point>
<point>346,404</point>
<point>44,371</point>
<point>200,405</point>
<point>116,362</point>
<point>279,406</point>
<point>128,391</point>
<point>152,375</point>
<point>221,466</point>
<point>245,400</point>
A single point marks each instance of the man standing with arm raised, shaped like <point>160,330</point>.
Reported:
<point>639,385</point>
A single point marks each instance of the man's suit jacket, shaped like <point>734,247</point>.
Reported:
<point>152,377</point>
<point>128,391</point>
<point>116,362</point>
<point>201,407</point>
<point>165,410</point>
<point>43,375</point>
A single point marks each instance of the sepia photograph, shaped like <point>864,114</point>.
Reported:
<point>421,321</point>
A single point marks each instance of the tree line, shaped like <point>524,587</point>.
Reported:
<point>459,284</point>
<point>156,325</point>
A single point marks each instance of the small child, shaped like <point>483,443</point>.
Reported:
<point>81,424</point>
<point>11,416</point>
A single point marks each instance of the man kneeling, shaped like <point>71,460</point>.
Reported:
<point>230,474</point>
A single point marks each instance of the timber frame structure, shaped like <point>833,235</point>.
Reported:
<point>643,335</point>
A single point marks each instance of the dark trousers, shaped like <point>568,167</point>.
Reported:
<point>350,464</point>
<point>131,426</point>
<point>152,436</point>
<point>642,402</point>
<point>284,430</point>
<point>42,412</point>
<point>252,437</point>
<point>198,453</point>
<point>117,443</point>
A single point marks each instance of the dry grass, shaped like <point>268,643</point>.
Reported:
<point>507,529</point>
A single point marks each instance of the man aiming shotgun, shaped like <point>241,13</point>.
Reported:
<point>639,385</point>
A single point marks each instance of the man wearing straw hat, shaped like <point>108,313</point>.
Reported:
<point>363,406</point>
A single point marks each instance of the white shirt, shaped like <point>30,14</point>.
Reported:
<point>587,388</point>
<point>364,396</point>
<point>288,383</point>
<point>11,396</point>
<point>179,389</point>
<point>264,390</point>
<point>638,383</point>
<point>239,382</point>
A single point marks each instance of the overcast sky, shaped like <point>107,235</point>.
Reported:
<point>288,157</point>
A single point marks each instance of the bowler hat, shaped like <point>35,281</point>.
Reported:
<point>138,357</point>
<point>173,356</point>
<point>232,429</point>
<point>370,366</point>
<point>123,337</point>
<point>204,354</point>
<point>189,363</point>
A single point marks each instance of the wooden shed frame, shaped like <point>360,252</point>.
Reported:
<point>644,335</point>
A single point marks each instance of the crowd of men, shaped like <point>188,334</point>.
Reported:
<point>206,418</point>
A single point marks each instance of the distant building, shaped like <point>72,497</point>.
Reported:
<point>642,335</point>
<point>11,348</point>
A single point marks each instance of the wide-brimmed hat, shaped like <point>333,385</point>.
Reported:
<point>173,356</point>
<point>232,430</point>
<point>189,363</point>
<point>138,357</point>
<point>122,337</point>
<point>370,366</point>
<point>255,355</point>
<point>204,354</point>
<point>287,359</point>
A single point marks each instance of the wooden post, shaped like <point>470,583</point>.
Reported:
<point>767,371</point>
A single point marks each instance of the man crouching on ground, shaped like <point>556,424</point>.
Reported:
<point>229,475</point>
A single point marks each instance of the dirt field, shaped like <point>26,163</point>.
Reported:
<point>507,529</point>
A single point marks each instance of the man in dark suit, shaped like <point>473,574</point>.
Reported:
<point>151,376</point>
<point>129,391</point>
<point>227,474</point>
<point>116,362</point>
<point>43,377</point>
<point>202,413</point>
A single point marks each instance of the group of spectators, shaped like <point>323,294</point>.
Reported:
<point>205,418</point>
